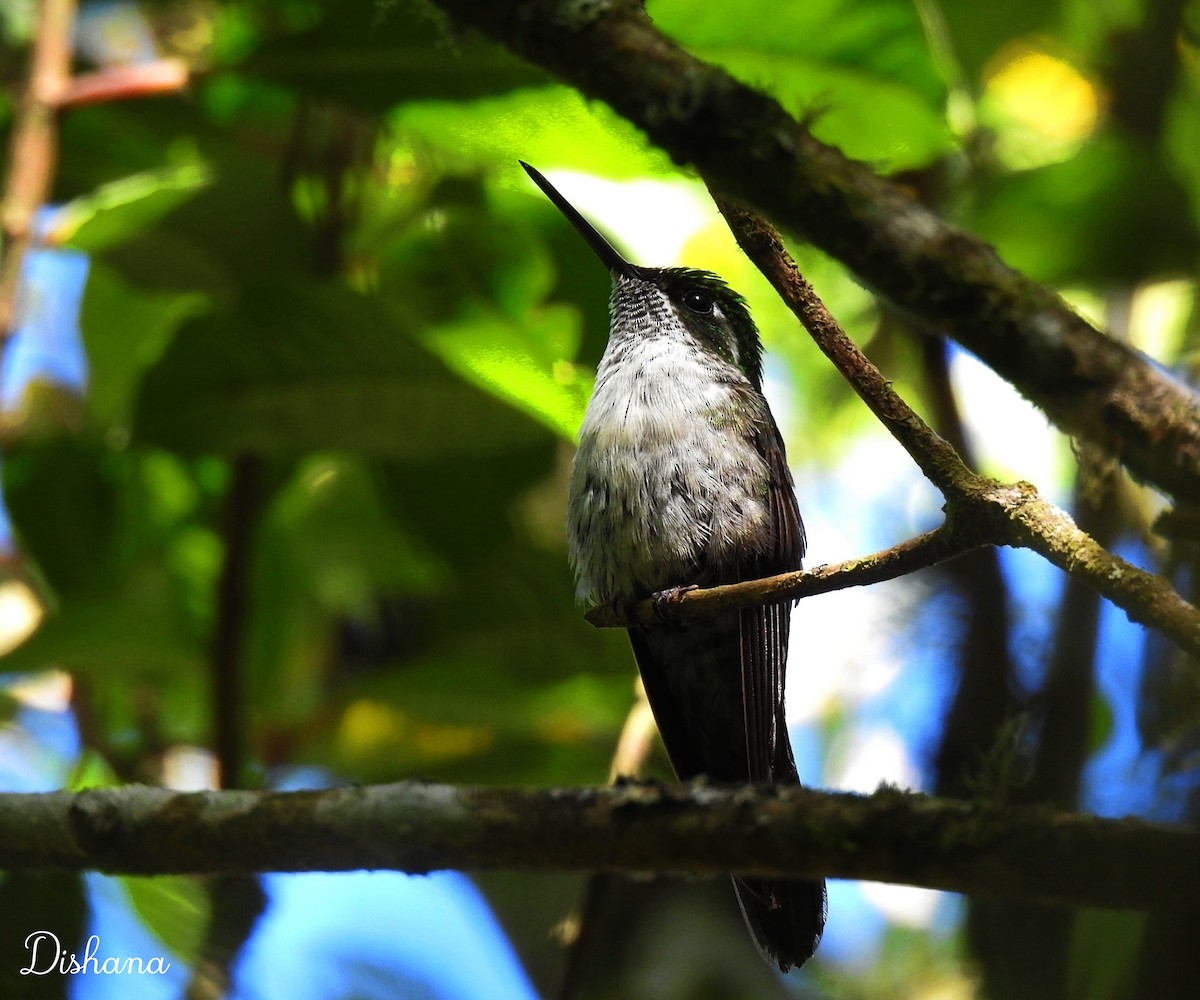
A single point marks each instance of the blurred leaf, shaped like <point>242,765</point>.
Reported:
<point>338,536</point>
<point>204,243</point>
<point>863,68</point>
<point>476,711</point>
<point>1100,723</point>
<point>92,518</point>
<point>543,694</point>
<point>91,770</point>
<point>137,632</point>
<point>463,507</point>
<point>123,208</point>
<point>1111,213</point>
<point>1104,953</point>
<point>125,330</point>
<point>63,499</point>
<point>108,140</point>
<point>532,125</point>
<point>370,55</point>
<point>175,908</point>
<point>45,411</point>
<point>520,363</point>
<point>300,367</point>
<point>978,30</point>
<point>328,551</point>
<point>1182,138</point>
<point>882,37</point>
<point>460,261</point>
<point>103,527</point>
<point>868,118</point>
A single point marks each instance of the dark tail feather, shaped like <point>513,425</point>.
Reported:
<point>785,918</point>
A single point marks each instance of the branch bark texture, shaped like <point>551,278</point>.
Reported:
<point>746,145</point>
<point>693,830</point>
<point>979,511</point>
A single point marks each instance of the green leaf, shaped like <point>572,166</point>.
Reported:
<point>369,55</point>
<point>137,632</point>
<point>862,69</point>
<point>883,38</point>
<point>460,263</point>
<point>105,528</point>
<point>1182,138</point>
<point>420,721</point>
<point>337,536</point>
<point>552,127</point>
<point>121,209</point>
<point>1112,212</point>
<point>125,331</point>
<point>868,117</point>
<point>175,908</point>
<point>91,770</point>
<point>299,367</point>
<point>63,498</point>
<point>521,363</point>
<point>978,31</point>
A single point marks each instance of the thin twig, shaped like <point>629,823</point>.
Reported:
<point>33,149</point>
<point>123,83</point>
<point>921,552</point>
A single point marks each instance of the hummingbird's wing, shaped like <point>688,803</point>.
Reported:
<point>786,917</point>
<point>764,630</point>
<point>716,688</point>
<point>694,690</point>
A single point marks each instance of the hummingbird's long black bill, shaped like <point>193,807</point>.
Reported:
<point>603,249</point>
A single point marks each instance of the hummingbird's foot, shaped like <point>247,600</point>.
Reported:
<point>665,601</point>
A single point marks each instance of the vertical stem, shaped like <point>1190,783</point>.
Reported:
<point>33,147</point>
<point>243,504</point>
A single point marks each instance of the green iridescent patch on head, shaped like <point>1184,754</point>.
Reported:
<point>715,314</point>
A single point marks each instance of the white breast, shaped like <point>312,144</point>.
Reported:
<point>663,483</point>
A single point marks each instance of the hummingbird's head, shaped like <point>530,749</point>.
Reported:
<point>645,297</point>
<point>713,313</point>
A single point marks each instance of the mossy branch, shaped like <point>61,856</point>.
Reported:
<point>693,830</point>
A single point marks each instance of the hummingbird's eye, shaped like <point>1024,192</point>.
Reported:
<point>698,301</point>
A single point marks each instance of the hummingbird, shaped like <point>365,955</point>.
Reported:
<point>680,481</point>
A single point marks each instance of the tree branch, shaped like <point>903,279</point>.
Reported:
<point>744,144</point>
<point>122,83</point>
<point>979,511</point>
<point>891,836</point>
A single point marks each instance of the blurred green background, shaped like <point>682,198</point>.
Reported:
<point>337,348</point>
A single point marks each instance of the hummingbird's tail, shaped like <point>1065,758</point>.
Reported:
<point>785,918</point>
